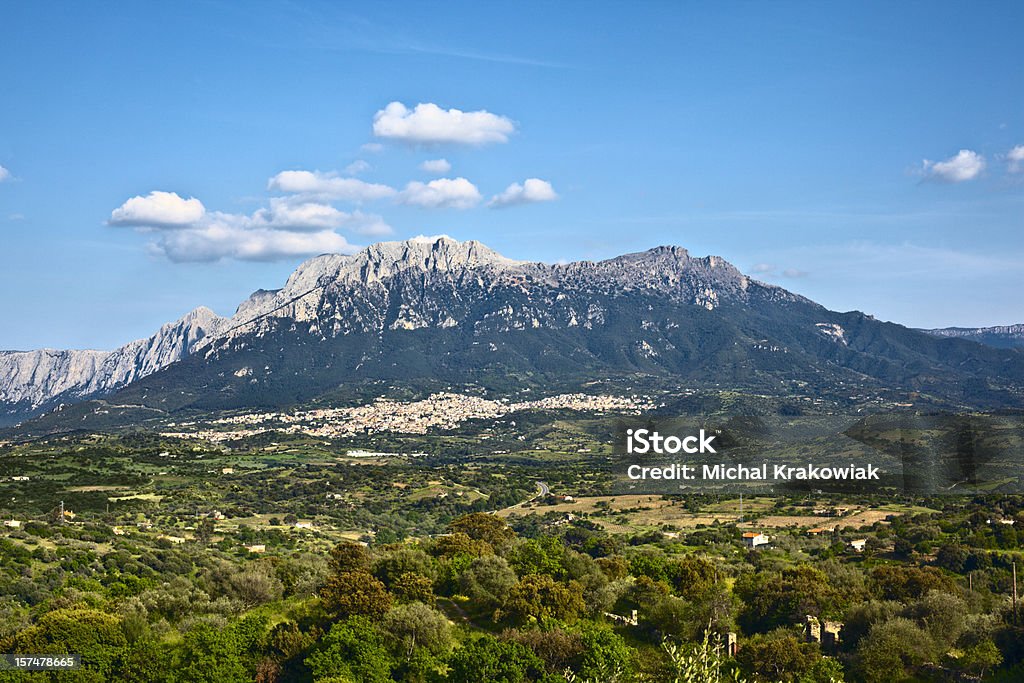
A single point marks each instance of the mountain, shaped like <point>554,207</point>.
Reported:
<point>433,312</point>
<point>31,381</point>
<point>1001,336</point>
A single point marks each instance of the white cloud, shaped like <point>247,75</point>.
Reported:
<point>372,147</point>
<point>762,269</point>
<point>219,240</point>
<point>369,224</point>
<point>4,174</point>
<point>158,209</point>
<point>356,167</point>
<point>440,166</point>
<point>288,227</point>
<point>966,165</point>
<point>531,191</point>
<point>328,186</point>
<point>283,214</point>
<point>443,193</point>
<point>429,123</point>
<point>1015,159</point>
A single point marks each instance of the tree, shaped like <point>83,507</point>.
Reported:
<point>487,581</point>
<point>403,561</point>
<point>356,592</point>
<point>481,526</point>
<point>777,656</point>
<point>894,582</point>
<point>255,585</point>
<point>353,650</point>
<point>349,557</point>
<point>981,657</point>
<point>416,626</point>
<point>489,659</point>
<point>95,635</point>
<point>410,587</point>
<point>557,647</point>
<point>537,596</point>
<point>606,656</point>
<point>892,650</point>
<point>204,530</point>
<point>211,655</point>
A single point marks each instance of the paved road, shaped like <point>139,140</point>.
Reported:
<point>544,490</point>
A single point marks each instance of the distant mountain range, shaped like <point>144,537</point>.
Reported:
<point>1000,336</point>
<point>435,312</point>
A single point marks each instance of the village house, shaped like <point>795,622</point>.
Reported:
<point>256,548</point>
<point>858,544</point>
<point>12,524</point>
<point>753,539</point>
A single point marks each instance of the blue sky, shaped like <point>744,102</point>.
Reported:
<point>860,154</point>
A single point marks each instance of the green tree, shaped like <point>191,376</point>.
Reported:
<point>349,557</point>
<point>357,592</point>
<point>488,581</point>
<point>210,655</point>
<point>494,661</point>
<point>411,587</point>
<point>536,597</point>
<point>482,526</point>
<point>417,626</point>
<point>606,656</point>
<point>892,650</point>
<point>353,650</point>
<point>777,656</point>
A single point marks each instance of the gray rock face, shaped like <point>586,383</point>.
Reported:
<point>440,279</point>
<point>342,318</point>
<point>1000,336</point>
<point>35,378</point>
<point>423,282</point>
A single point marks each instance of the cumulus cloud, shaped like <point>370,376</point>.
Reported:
<point>531,191</point>
<point>217,240</point>
<point>356,167</point>
<point>443,193</point>
<point>328,186</point>
<point>439,166</point>
<point>4,174</point>
<point>428,123</point>
<point>158,209</point>
<point>283,214</point>
<point>369,224</point>
<point>1015,159</point>
<point>966,165</point>
<point>288,227</point>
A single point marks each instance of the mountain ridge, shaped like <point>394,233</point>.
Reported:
<point>424,309</point>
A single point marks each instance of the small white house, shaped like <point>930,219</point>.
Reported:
<point>12,523</point>
<point>858,544</point>
<point>256,548</point>
<point>753,539</point>
<point>303,525</point>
